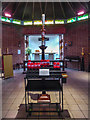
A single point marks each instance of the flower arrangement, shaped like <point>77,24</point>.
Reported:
<point>28,51</point>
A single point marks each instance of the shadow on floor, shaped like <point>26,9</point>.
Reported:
<point>22,114</point>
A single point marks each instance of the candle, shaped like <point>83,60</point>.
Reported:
<point>43,19</point>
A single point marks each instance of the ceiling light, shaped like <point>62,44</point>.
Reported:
<point>81,13</point>
<point>7,15</point>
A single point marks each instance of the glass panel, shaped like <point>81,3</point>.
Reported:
<point>71,20</point>
<point>27,23</point>
<point>83,17</point>
<point>59,21</point>
<point>5,19</point>
<point>49,22</point>
<point>16,21</point>
<point>37,22</point>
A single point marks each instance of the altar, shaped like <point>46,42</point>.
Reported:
<point>38,55</point>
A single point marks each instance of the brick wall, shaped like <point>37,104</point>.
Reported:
<point>50,29</point>
<point>78,34</point>
<point>11,35</point>
<point>89,43</point>
<point>75,32</point>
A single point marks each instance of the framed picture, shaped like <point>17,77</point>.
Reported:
<point>69,43</point>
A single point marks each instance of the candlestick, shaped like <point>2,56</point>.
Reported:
<point>82,52</point>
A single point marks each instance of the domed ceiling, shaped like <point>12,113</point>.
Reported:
<point>52,10</point>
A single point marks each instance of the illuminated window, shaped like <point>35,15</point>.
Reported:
<point>83,17</point>
<point>59,21</point>
<point>16,21</point>
<point>5,19</point>
<point>71,20</point>
<point>27,23</point>
<point>49,22</point>
<point>37,22</point>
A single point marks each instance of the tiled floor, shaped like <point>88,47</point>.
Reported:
<point>75,94</point>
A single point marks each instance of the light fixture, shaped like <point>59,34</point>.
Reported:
<point>7,15</point>
<point>81,13</point>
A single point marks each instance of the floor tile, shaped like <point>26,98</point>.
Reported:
<point>19,101</point>
<point>75,94</point>
<point>74,107</point>
<point>11,114</point>
<point>4,113</point>
<point>83,107</point>
<point>6,107</point>
<point>80,102</point>
<point>85,112</point>
<point>77,114</point>
<point>8,101</point>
